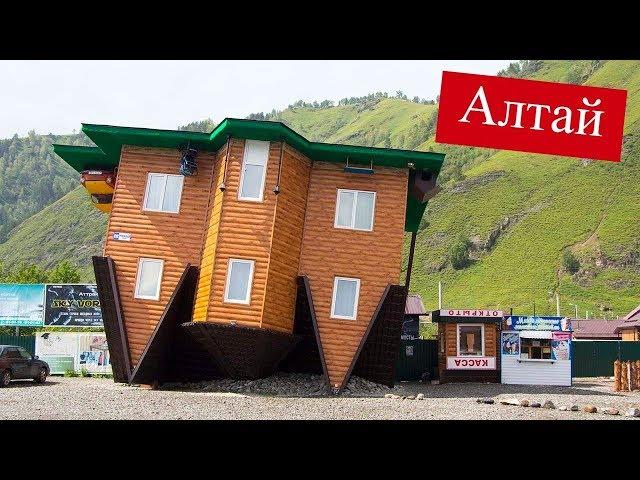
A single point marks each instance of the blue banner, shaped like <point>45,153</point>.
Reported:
<point>21,305</point>
<point>560,324</point>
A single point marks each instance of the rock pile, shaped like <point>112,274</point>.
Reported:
<point>283,384</point>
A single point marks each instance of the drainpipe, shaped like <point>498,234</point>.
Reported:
<point>226,161</point>
<point>410,263</point>
<point>277,189</point>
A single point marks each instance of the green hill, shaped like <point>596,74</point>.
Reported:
<point>518,212</point>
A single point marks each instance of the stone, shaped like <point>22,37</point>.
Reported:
<point>611,411</point>
<point>563,408</point>
<point>549,405</point>
<point>633,412</point>
<point>524,402</point>
<point>574,408</point>
<point>488,401</point>
<point>589,409</point>
<point>411,397</point>
<point>435,382</point>
<point>510,401</point>
<point>389,395</point>
<point>535,405</point>
<point>420,396</point>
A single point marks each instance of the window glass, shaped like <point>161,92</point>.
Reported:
<point>254,166</point>
<point>364,211</point>
<point>239,281</point>
<point>355,209</point>
<point>173,190</point>
<point>345,208</point>
<point>470,340</point>
<point>24,354</point>
<point>345,298</point>
<point>149,277</point>
<point>12,353</point>
<point>535,348</point>
<point>163,192</point>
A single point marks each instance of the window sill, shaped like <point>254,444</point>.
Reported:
<point>536,360</point>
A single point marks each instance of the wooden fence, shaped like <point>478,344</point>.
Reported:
<point>626,376</point>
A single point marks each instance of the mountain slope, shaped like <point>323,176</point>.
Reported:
<point>520,212</point>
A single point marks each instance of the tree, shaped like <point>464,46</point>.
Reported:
<point>64,272</point>
<point>570,263</point>
<point>459,254</point>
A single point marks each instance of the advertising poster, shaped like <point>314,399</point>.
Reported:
<point>93,353</point>
<point>72,306</point>
<point>515,322</point>
<point>21,305</point>
<point>561,346</point>
<point>510,343</point>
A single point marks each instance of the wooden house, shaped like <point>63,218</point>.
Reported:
<point>249,249</point>
<point>629,328</point>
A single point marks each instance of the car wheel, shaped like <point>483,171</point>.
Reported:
<point>5,380</point>
<point>42,376</point>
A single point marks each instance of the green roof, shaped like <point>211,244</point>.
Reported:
<point>110,139</point>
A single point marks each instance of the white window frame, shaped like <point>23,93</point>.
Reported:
<point>247,299</point>
<point>164,191</point>
<point>333,298</point>
<point>136,294</point>
<point>264,173</point>
<point>481,325</point>
<point>353,210</point>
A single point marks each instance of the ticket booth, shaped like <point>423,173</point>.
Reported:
<point>468,345</point>
<point>536,350</point>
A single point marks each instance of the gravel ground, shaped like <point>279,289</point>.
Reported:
<point>92,398</point>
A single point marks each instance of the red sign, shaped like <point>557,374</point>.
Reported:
<point>471,363</point>
<point>531,116</point>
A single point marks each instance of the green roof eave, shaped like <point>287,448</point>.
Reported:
<point>110,139</point>
<point>81,158</point>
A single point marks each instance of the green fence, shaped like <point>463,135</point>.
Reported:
<point>416,357</point>
<point>27,341</point>
<point>595,358</point>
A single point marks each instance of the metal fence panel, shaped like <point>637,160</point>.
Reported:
<point>416,357</point>
<point>26,341</point>
<point>594,358</point>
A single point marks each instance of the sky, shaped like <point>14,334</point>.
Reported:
<point>57,96</point>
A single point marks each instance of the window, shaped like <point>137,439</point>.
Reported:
<point>12,352</point>
<point>470,340</point>
<point>535,348</point>
<point>344,304</point>
<point>163,193</point>
<point>355,209</point>
<point>24,354</point>
<point>149,278</point>
<point>254,168</point>
<point>239,278</point>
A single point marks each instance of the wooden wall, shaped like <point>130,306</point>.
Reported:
<point>244,231</point>
<point>210,239</point>
<point>374,257</point>
<point>175,238</point>
<point>630,334</point>
<point>490,339</point>
<point>291,204</point>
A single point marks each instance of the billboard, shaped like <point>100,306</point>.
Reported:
<point>72,305</point>
<point>74,351</point>
<point>21,305</point>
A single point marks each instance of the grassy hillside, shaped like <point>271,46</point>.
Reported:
<point>519,212</point>
<point>68,229</point>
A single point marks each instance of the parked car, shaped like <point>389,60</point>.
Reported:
<point>16,363</point>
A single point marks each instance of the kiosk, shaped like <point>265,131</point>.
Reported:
<point>467,344</point>
<point>536,350</point>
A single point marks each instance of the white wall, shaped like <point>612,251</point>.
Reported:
<point>515,372</point>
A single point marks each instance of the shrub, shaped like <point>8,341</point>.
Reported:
<point>570,262</point>
<point>459,254</point>
<point>84,372</point>
<point>70,373</point>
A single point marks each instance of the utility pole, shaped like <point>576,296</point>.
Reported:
<point>439,295</point>
<point>558,304</point>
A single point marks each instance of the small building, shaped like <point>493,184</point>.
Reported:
<point>536,350</point>
<point>250,249</point>
<point>467,344</point>
<point>598,329</point>
<point>413,310</point>
<point>629,328</point>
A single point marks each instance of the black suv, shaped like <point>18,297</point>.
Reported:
<point>16,363</point>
